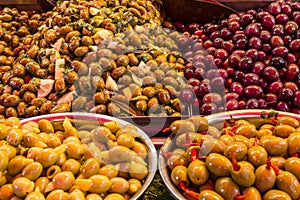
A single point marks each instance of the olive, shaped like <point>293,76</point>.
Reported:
<point>278,161</point>
<point>22,186</point>
<point>247,130</point>
<point>198,172</point>
<point>274,145</point>
<point>87,41</point>
<point>201,123</point>
<point>42,183</point>
<point>218,164</point>
<point>181,139</point>
<point>125,140</point>
<point>119,154</point>
<point>16,82</point>
<point>261,132</point>
<point>172,91</point>
<point>163,96</point>
<point>179,174</point>
<point>32,171</point>
<point>244,176</point>
<point>287,120</point>
<point>9,150</point>
<point>53,141</point>
<point>90,167</point>
<point>209,195</point>
<point>58,194</point>
<point>175,160</point>
<point>63,180</point>
<point>288,183</point>
<point>47,157</point>
<point>100,184</point>
<point>11,112</point>
<point>46,126</point>
<point>109,171</point>
<point>275,194</point>
<point>265,178</point>
<point>3,161</point>
<point>17,164</point>
<point>226,187</point>
<point>71,165</point>
<point>114,196</point>
<point>51,172</point>
<point>6,191</point>
<point>292,165</point>
<point>182,126</point>
<point>93,196</point>
<point>140,149</point>
<point>283,130</point>
<point>293,143</point>
<point>251,193</point>
<point>35,195</point>
<point>75,150</point>
<point>138,171</point>
<point>212,145</point>
<point>257,155</point>
<point>119,185</point>
<point>239,148</point>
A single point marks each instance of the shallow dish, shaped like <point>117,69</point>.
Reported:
<point>217,120</point>
<point>85,119</point>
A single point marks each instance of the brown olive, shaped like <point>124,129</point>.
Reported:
<point>87,41</point>
<point>11,112</point>
<point>16,82</point>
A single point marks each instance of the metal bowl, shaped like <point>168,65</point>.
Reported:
<point>217,120</point>
<point>80,119</point>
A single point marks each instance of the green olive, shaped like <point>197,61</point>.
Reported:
<point>274,145</point>
<point>32,171</point>
<point>288,183</point>
<point>175,160</point>
<point>179,174</point>
<point>292,165</point>
<point>257,155</point>
<point>247,130</point>
<point>100,184</point>
<point>275,194</point>
<point>102,134</point>
<point>198,172</point>
<point>288,121</point>
<point>244,176</point>
<point>201,123</point>
<point>182,126</point>
<point>22,186</point>
<point>209,195</point>
<point>252,193</point>
<point>218,164</point>
<point>226,187</point>
<point>293,143</point>
<point>265,178</point>
<point>239,148</point>
<point>283,130</point>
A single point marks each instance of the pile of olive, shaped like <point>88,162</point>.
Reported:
<point>243,160</point>
<point>44,160</point>
<point>80,54</point>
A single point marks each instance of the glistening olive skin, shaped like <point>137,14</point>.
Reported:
<point>276,194</point>
<point>292,165</point>
<point>210,195</point>
<point>265,179</point>
<point>287,182</point>
<point>226,187</point>
<point>218,164</point>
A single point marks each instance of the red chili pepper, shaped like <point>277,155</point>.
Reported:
<point>204,132</point>
<point>27,78</point>
<point>165,130</point>
<point>166,155</point>
<point>194,154</point>
<point>268,167</point>
<point>235,165</point>
<point>188,138</point>
<point>241,197</point>
<point>256,141</point>
<point>295,154</point>
<point>228,132</point>
<point>234,128</point>
<point>189,192</point>
<point>274,121</point>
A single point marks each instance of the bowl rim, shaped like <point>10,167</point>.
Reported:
<point>213,118</point>
<point>152,154</point>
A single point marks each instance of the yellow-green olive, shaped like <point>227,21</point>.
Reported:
<point>32,171</point>
<point>22,186</point>
<point>100,184</point>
